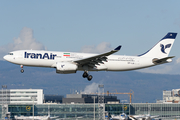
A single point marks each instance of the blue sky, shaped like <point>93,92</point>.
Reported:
<point>74,25</point>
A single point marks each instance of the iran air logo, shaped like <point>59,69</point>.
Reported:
<point>163,48</point>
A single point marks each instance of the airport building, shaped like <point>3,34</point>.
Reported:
<point>171,96</point>
<point>86,111</point>
<point>81,111</point>
<point>21,96</point>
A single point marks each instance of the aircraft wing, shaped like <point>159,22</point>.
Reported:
<point>95,60</point>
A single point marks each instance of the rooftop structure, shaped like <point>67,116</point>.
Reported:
<point>88,98</point>
<point>53,98</point>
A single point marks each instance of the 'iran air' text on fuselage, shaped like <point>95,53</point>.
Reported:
<point>39,55</point>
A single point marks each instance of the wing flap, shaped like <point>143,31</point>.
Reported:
<point>97,59</point>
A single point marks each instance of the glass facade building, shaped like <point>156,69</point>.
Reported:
<point>163,110</point>
<point>67,110</point>
<point>116,109</point>
<point>86,111</point>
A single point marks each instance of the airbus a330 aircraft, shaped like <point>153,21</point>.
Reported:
<point>70,62</point>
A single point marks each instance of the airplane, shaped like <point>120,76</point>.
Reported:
<point>124,116</point>
<point>71,62</point>
<point>34,118</point>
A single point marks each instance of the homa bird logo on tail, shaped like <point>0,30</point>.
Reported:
<point>164,48</point>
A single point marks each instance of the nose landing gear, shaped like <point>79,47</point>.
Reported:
<point>86,75</point>
<point>22,70</point>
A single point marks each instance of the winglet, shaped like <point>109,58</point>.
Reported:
<point>118,48</point>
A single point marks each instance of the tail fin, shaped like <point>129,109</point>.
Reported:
<point>162,48</point>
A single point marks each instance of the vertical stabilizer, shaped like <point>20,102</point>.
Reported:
<point>162,48</point>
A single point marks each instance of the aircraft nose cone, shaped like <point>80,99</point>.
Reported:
<point>5,57</point>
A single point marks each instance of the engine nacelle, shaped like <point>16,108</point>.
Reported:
<point>66,68</point>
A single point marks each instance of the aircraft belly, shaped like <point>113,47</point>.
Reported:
<point>35,63</point>
<point>120,66</point>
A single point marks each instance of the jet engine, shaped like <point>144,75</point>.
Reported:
<point>66,68</point>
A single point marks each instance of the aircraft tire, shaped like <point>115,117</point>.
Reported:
<point>89,77</point>
<point>22,70</point>
<point>85,74</point>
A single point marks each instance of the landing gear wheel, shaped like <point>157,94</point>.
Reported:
<point>89,77</point>
<point>85,74</point>
<point>22,70</point>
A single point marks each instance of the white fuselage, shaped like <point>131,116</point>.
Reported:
<point>71,62</point>
<point>51,58</point>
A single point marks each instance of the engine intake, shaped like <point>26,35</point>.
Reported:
<point>66,68</point>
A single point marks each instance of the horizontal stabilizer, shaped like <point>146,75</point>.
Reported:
<point>163,60</point>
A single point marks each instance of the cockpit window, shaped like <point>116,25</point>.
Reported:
<point>10,53</point>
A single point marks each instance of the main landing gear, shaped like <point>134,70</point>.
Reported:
<point>86,75</point>
<point>22,70</point>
